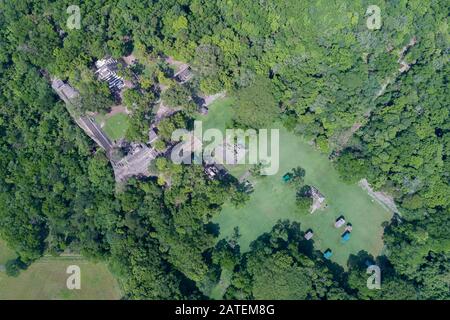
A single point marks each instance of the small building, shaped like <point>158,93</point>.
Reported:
<point>339,222</point>
<point>327,254</point>
<point>345,236</point>
<point>318,199</point>
<point>198,100</point>
<point>287,177</point>
<point>64,91</point>
<point>248,186</point>
<point>349,227</point>
<point>152,136</point>
<point>216,171</point>
<point>211,171</point>
<point>183,75</point>
<point>309,234</point>
<point>315,193</point>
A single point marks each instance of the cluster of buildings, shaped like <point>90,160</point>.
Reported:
<point>339,223</point>
<point>138,156</point>
<point>345,236</point>
<point>135,163</point>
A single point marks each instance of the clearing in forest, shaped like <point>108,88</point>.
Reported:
<point>116,125</point>
<point>46,279</point>
<point>273,199</point>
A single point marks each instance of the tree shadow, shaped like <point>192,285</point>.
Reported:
<point>213,228</point>
<point>360,261</point>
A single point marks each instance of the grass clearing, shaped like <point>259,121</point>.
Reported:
<point>100,118</point>
<point>116,126</point>
<point>219,115</point>
<point>273,200</point>
<point>46,279</point>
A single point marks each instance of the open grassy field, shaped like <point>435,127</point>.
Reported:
<point>46,279</point>
<point>116,126</point>
<point>5,253</point>
<point>273,200</point>
<point>219,115</point>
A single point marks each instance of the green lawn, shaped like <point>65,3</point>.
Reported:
<point>273,200</point>
<point>219,115</point>
<point>116,126</point>
<point>99,118</point>
<point>5,253</point>
<point>219,289</point>
<point>46,279</point>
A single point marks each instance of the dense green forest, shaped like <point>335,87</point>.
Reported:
<point>376,101</point>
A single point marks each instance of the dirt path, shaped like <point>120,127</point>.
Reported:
<point>343,141</point>
<point>211,98</point>
<point>117,109</point>
<point>385,200</point>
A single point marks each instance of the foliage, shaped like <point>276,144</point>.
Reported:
<point>304,199</point>
<point>13,267</point>
<point>275,269</point>
<point>314,63</point>
<point>256,106</point>
<point>176,96</point>
<point>168,125</point>
<point>351,168</point>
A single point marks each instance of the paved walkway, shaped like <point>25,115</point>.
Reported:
<point>102,139</point>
